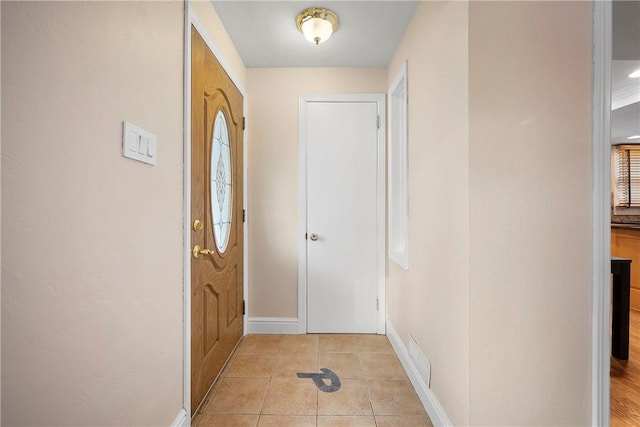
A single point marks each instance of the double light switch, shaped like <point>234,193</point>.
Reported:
<point>138,144</point>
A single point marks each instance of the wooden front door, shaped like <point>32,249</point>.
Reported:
<point>216,218</point>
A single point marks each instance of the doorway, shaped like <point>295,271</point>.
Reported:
<point>625,218</point>
<point>341,214</point>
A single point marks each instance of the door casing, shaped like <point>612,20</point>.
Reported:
<point>191,18</point>
<point>379,99</point>
<point>601,213</point>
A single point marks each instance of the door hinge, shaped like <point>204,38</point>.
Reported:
<point>244,306</point>
<point>244,215</point>
<point>244,123</point>
<point>377,304</point>
<point>378,122</point>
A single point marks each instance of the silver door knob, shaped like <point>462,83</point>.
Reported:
<point>313,236</point>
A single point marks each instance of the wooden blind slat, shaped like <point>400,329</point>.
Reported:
<point>627,179</point>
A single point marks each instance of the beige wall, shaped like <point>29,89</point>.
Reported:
<point>498,291</point>
<point>530,211</point>
<point>92,284</point>
<point>430,300</point>
<point>273,175</point>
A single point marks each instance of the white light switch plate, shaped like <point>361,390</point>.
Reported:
<point>138,144</point>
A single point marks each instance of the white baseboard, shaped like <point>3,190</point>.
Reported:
<point>272,325</point>
<point>428,399</point>
<point>181,420</point>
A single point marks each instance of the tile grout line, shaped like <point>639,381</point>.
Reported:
<point>366,383</point>
<point>264,398</point>
<point>317,369</point>
<point>275,365</point>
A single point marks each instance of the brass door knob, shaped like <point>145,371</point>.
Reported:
<point>197,251</point>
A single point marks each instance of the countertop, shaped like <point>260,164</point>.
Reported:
<point>626,225</point>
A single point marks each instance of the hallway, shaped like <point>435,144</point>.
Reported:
<point>97,247</point>
<point>260,386</point>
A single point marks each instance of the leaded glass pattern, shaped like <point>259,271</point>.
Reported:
<point>221,182</point>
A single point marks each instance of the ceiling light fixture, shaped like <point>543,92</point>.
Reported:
<point>317,24</point>
<point>635,74</point>
<point>634,137</point>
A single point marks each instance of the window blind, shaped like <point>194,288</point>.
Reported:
<point>627,176</point>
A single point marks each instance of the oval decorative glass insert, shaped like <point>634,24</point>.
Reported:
<point>221,182</point>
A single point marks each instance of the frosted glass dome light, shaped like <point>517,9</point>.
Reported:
<point>317,24</point>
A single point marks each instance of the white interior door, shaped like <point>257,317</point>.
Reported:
<point>342,217</point>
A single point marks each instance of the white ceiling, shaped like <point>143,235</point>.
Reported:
<point>625,101</point>
<point>626,30</point>
<point>625,92</point>
<point>265,35</point>
<point>625,122</point>
<point>265,32</point>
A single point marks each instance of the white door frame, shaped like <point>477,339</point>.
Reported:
<point>304,99</point>
<point>191,18</point>
<point>601,149</point>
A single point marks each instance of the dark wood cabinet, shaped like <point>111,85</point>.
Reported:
<point>625,243</point>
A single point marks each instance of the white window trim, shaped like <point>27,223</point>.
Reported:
<point>398,197</point>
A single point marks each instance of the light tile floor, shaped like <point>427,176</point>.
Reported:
<point>260,387</point>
